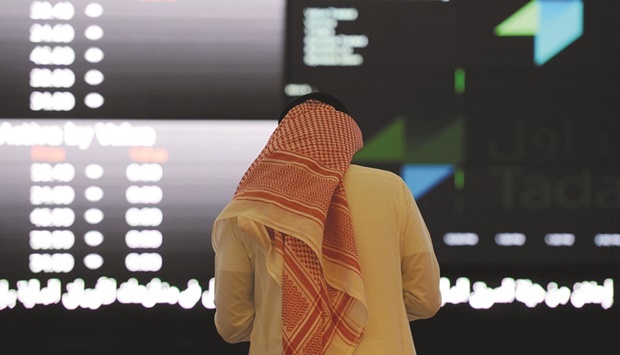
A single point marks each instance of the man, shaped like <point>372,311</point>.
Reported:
<point>315,255</point>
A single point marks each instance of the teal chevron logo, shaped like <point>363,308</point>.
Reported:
<point>422,178</point>
<point>554,24</point>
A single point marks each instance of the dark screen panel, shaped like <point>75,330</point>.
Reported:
<point>505,143</point>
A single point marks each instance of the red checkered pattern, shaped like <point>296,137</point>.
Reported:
<point>300,171</point>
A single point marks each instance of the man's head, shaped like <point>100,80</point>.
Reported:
<point>325,98</point>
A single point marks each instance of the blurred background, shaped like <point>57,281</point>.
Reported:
<point>125,127</point>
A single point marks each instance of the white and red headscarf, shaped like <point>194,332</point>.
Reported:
<point>293,199</point>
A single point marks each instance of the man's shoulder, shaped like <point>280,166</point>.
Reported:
<point>365,172</point>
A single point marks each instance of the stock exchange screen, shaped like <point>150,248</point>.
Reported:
<point>107,201</point>
<point>125,127</point>
<point>504,129</point>
<point>137,59</point>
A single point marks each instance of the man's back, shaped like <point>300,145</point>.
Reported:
<point>398,266</point>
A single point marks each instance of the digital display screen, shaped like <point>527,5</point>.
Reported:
<point>141,59</point>
<point>118,198</point>
<point>125,127</point>
<point>506,155</point>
